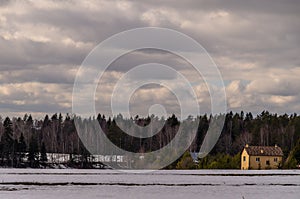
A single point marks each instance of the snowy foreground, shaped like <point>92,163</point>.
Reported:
<point>71,183</point>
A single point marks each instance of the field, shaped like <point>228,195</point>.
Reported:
<point>71,183</point>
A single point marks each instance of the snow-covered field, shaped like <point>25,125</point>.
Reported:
<point>71,183</point>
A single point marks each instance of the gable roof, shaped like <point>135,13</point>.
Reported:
<point>264,150</point>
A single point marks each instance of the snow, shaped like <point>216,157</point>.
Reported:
<point>72,183</point>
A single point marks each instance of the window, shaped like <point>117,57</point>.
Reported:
<point>268,162</point>
<point>257,159</point>
<point>244,158</point>
<point>275,159</point>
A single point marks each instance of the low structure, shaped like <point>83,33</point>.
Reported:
<point>261,157</point>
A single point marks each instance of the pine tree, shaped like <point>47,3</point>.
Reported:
<point>44,158</point>
<point>33,154</point>
<point>15,154</point>
<point>21,149</point>
<point>7,142</point>
<point>22,144</point>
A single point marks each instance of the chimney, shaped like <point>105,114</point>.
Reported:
<point>276,146</point>
<point>261,151</point>
<point>247,145</point>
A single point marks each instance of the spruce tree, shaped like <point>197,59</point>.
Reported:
<point>7,142</point>
<point>22,148</point>
<point>33,154</point>
<point>44,158</point>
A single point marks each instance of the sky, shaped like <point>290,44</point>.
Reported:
<point>255,45</point>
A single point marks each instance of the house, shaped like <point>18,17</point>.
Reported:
<point>261,157</point>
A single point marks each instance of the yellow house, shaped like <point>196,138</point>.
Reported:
<point>261,157</point>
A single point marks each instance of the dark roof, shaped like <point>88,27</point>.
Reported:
<point>264,150</point>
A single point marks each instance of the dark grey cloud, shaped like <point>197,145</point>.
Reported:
<point>144,56</point>
<point>4,2</point>
<point>21,53</point>
<point>79,23</point>
<point>59,74</point>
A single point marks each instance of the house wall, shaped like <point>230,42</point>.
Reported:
<point>262,164</point>
<point>244,164</point>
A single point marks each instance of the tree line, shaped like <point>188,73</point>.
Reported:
<point>57,134</point>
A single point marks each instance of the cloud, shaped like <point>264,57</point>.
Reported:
<point>256,45</point>
<point>60,74</point>
<point>35,97</point>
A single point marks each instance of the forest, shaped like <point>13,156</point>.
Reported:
<point>58,134</point>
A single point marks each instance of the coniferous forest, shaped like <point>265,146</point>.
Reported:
<point>57,134</point>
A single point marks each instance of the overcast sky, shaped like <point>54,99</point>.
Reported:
<point>255,44</point>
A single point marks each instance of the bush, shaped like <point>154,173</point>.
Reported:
<point>220,161</point>
<point>186,162</point>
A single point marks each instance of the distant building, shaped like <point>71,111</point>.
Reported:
<point>194,156</point>
<point>261,157</point>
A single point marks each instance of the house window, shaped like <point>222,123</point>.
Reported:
<point>268,162</point>
<point>275,159</point>
<point>244,158</point>
<point>257,159</point>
